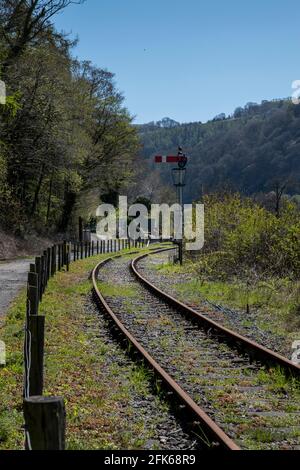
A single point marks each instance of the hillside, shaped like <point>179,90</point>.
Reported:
<point>249,151</point>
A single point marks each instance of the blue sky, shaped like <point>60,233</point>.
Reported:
<point>190,59</point>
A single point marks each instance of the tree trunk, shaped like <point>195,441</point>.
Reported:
<point>69,202</point>
<point>49,198</point>
<point>37,191</point>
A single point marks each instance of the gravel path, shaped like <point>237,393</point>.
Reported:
<point>13,276</point>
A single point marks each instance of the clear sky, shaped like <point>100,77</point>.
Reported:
<point>190,59</point>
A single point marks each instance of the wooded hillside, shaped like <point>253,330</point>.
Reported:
<point>251,151</point>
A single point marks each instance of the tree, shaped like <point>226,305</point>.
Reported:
<point>24,22</point>
<point>64,132</point>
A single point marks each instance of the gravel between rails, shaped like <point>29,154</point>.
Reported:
<point>233,319</point>
<point>245,401</point>
<point>161,430</point>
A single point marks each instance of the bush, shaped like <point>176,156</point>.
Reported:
<point>247,236</point>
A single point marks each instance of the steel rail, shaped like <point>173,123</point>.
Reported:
<point>212,430</point>
<point>254,349</point>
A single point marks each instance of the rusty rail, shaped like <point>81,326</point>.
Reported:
<point>212,430</point>
<point>254,349</point>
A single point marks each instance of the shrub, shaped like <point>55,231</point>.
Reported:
<point>247,236</point>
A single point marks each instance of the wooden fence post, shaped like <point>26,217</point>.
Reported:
<point>53,260</point>
<point>80,229</point>
<point>59,257</point>
<point>32,294</point>
<point>68,256</point>
<point>38,269</point>
<point>45,421</point>
<point>36,328</point>
<point>46,267</point>
<point>64,253</point>
<point>48,263</point>
<point>45,270</point>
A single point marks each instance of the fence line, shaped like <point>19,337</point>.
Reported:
<point>38,409</point>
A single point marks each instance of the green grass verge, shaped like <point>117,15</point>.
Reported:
<point>76,367</point>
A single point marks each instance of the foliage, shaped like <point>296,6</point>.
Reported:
<point>242,236</point>
<point>64,130</point>
<point>248,152</point>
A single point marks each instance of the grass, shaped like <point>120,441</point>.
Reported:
<point>274,303</point>
<point>78,366</point>
<point>113,290</point>
<point>11,377</point>
<point>277,381</point>
<point>173,269</point>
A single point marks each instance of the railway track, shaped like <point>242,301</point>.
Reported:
<point>231,396</point>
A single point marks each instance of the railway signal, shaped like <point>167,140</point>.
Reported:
<point>171,159</point>
<point>178,175</point>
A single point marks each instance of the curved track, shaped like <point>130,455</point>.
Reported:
<point>207,336</point>
<point>254,349</point>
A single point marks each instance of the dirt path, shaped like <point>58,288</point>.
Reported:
<point>13,276</point>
